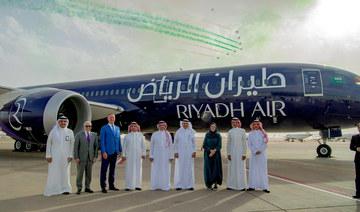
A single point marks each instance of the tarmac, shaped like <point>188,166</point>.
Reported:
<point>298,181</point>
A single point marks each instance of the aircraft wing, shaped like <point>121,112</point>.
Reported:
<point>4,89</point>
<point>101,110</point>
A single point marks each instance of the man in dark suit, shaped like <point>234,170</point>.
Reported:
<point>85,153</point>
<point>110,143</point>
<point>355,146</point>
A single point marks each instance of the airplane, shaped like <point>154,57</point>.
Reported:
<point>344,137</point>
<point>297,136</point>
<point>286,97</point>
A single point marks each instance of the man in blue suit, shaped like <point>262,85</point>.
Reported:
<point>110,142</point>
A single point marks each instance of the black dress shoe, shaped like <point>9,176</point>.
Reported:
<point>139,189</point>
<point>266,191</point>
<point>191,189</point>
<point>178,189</point>
<point>66,193</point>
<point>103,190</point>
<point>243,189</point>
<point>250,189</point>
<point>356,196</point>
<point>127,189</point>
<point>89,190</point>
<point>113,189</point>
<point>78,191</point>
<point>229,189</point>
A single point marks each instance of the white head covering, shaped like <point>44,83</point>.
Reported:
<point>59,131</point>
<point>189,128</point>
<point>167,134</point>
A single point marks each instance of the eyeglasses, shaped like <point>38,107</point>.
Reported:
<point>87,126</point>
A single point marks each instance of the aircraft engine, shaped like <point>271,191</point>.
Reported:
<point>31,116</point>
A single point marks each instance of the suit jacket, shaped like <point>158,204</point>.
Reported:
<point>354,143</point>
<point>84,150</point>
<point>110,142</point>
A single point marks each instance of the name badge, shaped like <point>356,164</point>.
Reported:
<point>67,138</point>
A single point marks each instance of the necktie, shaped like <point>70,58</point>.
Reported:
<point>113,129</point>
<point>88,137</point>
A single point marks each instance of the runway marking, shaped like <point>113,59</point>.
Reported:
<point>314,187</point>
<point>315,165</point>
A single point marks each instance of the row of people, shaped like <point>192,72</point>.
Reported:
<point>236,154</point>
<point>62,147</point>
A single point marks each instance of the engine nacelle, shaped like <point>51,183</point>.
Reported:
<point>32,115</point>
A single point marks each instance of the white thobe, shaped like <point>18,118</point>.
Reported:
<point>185,146</point>
<point>59,147</point>
<point>134,148</point>
<point>258,174</point>
<point>161,152</point>
<point>236,148</point>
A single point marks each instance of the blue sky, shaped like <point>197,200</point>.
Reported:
<point>64,40</point>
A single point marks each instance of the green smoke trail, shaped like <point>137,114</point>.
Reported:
<point>162,28</point>
<point>112,15</point>
<point>156,18</point>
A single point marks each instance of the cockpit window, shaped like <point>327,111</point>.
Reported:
<point>357,80</point>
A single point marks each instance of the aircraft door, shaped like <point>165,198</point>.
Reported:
<point>312,82</point>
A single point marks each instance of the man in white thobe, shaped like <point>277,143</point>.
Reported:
<point>161,156</point>
<point>236,152</point>
<point>134,151</point>
<point>185,152</point>
<point>59,153</point>
<point>257,142</point>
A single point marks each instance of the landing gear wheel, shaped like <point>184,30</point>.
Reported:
<point>323,150</point>
<point>19,146</point>
<point>42,148</point>
<point>29,147</point>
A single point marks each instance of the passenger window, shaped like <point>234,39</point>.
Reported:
<point>101,93</point>
<point>92,93</point>
<point>274,81</point>
<point>87,93</point>
<point>257,82</point>
<point>117,92</point>
<point>106,92</point>
<point>249,83</point>
<point>112,92</point>
<point>122,91</point>
<point>97,93</point>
